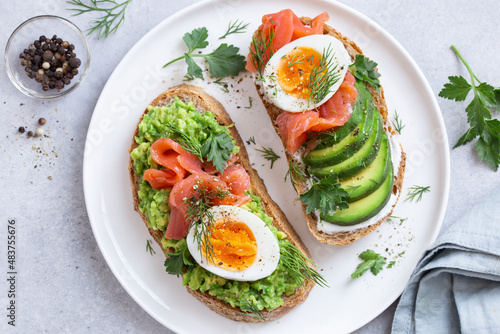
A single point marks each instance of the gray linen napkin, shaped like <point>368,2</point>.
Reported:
<point>456,285</point>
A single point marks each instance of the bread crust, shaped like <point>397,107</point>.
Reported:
<point>202,102</point>
<point>347,237</point>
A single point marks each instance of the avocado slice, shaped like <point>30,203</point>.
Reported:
<point>342,150</point>
<point>364,208</point>
<point>369,179</point>
<point>363,102</point>
<point>358,160</point>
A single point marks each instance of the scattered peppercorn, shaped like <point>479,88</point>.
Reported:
<point>21,129</point>
<point>30,133</point>
<point>42,121</point>
<point>39,132</point>
<point>50,61</point>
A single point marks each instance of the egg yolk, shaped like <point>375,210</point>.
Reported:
<point>294,70</point>
<point>234,244</point>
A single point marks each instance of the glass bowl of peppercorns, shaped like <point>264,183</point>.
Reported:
<point>47,57</point>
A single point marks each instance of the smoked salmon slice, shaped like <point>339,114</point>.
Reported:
<point>334,112</point>
<point>178,226</point>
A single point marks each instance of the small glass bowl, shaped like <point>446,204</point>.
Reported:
<point>26,34</point>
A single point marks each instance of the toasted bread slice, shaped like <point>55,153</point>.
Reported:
<point>347,237</point>
<point>203,102</point>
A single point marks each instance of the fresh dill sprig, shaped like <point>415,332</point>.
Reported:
<point>323,76</point>
<point>295,173</point>
<point>258,51</point>
<point>113,15</point>
<point>249,101</point>
<point>235,28</point>
<point>188,77</point>
<point>222,84</point>
<point>149,248</point>
<point>293,61</point>
<point>201,219</point>
<point>301,268</point>
<point>390,218</point>
<point>251,140</point>
<point>416,192</point>
<point>250,309</point>
<point>268,154</point>
<point>190,144</point>
<point>397,123</point>
<point>351,189</point>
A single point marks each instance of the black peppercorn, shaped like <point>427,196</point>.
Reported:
<point>21,55</point>
<point>65,44</point>
<point>21,129</point>
<point>59,74</point>
<point>59,84</point>
<point>54,37</point>
<point>37,59</point>
<point>59,40</point>
<point>66,81</point>
<point>69,75</point>
<point>42,38</point>
<point>52,84</point>
<point>71,47</point>
<point>75,62</point>
<point>37,44</point>
<point>30,133</point>
<point>41,121</point>
<point>39,77</point>
<point>24,62</point>
<point>74,71</point>
<point>47,55</point>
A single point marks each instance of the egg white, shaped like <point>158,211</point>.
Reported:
<point>268,252</point>
<point>279,97</point>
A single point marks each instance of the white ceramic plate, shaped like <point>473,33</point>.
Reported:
<point>348,304</point>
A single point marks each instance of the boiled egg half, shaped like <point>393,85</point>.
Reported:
<point>313,61</point>
<point>244,247</point>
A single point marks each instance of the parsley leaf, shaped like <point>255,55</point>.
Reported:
<point>197,39</point>
<point>325,195</point>
<point>225,61</point>
<point>218,148</point>
<point>222,62</point>
<point>176,260</point>
<point>478,115</point>
<point>364,69</point>
<point>457,89</point>
<point>372,261</point>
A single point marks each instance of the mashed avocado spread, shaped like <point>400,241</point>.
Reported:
<point>265,293</point>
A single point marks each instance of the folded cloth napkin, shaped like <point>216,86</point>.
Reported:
<point>456,285</point>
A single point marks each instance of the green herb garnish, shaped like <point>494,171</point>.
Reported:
<point>250,102</point>
<point>188,143</point>
<point>113,15</point>
<point>397,123</point>
<point>390,218</point>
<point>177,259</point>
<point>295,61</point>
<point>201,219</point>
<point>222,62</point>
<point>268,154</point>
<point>295,173</point>
<point>259,51</point>
<point>300,266</point>
<point>250,308</point>
<point>392,263</point>
<point>372,261</point>
<point>251,140</point>
<point>323,76</point>
<point>223,85</point>
<point>235,28</point>
<point>217,148</point>
<point>149,248</point>
<point>325,195</point>
<point>364,69</point>
<point>478,115</point>
<point>416,192</point>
